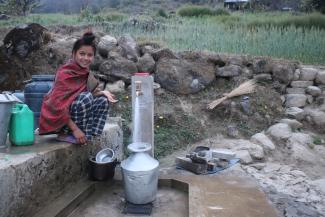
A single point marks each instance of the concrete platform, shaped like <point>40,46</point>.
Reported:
<point>191,195</point>
<point>32,176</point>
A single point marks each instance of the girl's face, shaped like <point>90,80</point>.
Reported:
<point>84,56</point>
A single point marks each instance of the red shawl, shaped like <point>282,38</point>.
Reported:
<point>70,81</point>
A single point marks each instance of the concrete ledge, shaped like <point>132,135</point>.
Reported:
<point>31,176</point>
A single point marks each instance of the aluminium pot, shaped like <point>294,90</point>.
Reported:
<point>140,174</point>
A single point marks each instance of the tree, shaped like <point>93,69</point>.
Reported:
<point>20,7</point>
<point>310,5</point>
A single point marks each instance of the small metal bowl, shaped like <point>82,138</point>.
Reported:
<point>105,155</point>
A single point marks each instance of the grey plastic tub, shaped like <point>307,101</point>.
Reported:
<point>6,103</point>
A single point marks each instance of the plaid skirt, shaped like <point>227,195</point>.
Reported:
<point>89,113</point>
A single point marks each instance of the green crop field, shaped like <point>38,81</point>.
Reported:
<point>281,35</point>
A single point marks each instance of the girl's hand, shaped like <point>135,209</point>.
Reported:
<point>80,136</point>
<point>109,95</point>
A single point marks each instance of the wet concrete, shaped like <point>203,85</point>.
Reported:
<point>183,195</point>
<point>108,200</point>
<point>225,196</point>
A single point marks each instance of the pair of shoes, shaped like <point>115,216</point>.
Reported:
<point>67,138</point>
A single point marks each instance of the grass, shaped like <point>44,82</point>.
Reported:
<point>290,42</point>
<point>171,134</point>
<point>280,35</point>
<point>199,11</point>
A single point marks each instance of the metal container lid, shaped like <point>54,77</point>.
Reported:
<point>8,98</point>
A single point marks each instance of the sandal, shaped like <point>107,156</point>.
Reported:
<point>67,138</point>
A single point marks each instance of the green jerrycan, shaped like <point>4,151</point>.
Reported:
<point>21,128</point>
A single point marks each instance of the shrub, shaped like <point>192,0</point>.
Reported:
<point>195,11</point>
<point>221,11</point>
<point>315,20</point>
<point>162,13</point>
<point>114,17</point>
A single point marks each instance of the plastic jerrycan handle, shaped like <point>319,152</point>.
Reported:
<point>19,107</point>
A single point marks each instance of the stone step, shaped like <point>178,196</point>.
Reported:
<point>66,203</point>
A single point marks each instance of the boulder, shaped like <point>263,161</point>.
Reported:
<point>262,66</point>
<point>263,77</point>
<point>146,63</point>
<point>296,75</point>
<point>320,77</point>
<point>182,76</point>
<point>308,74</point>
<point>106,44</point>
<point>228,71</point>
<point>129,47</point>
<point>279,132</point>
<point>263,140</point>
<point>313,90</point>
<point>295,100</point>
<point>294,124</point>
<point>244,156</point>
<point>116,87</point>
<point>283,72</point>
<point>317,117</point>
<point>24,39</point>
<point>300,138</point>
<point>295,90</point>
<point>301,84</point>
<point>163,53</point>
<point>119,68</point>
<point>296,113</point>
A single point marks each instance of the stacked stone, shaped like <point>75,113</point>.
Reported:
<point>304,99</point>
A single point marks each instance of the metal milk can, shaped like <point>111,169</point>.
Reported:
<point>140,174</point>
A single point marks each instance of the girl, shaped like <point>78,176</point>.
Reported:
<point>74,104</point>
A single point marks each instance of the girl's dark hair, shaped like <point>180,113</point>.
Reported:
<point>87,39</point>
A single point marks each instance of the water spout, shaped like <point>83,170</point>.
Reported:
<point>138,91</point>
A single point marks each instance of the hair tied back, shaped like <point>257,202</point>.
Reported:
<point>88,37</point>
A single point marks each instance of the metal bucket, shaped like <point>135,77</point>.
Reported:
<point>140,175</point>
<point>6,103</point>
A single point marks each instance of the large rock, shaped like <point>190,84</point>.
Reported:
<point>244,156</point>
<point>295,91</point>
<point>300,138</point>
<point>317,117</point>
<point>119,68</point>
<point>313,90</point>
<point>182,76</point>
<point>320,77</point>
<point>262,66</point>
<point>24,39</point>
<point>308,74</point>
<point>163,53</point>
<point>294,124</point>
<point>228,71</point>
<point>146,63</point>
<point>280,132</point>
<point>284,72</point>
<point>296,100</point>
<point>106,44</point>
<point>116,87</point>
<point>264,141</point>
<point>301,84</point>
<point>129,47</point>
<point>296,113</point>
